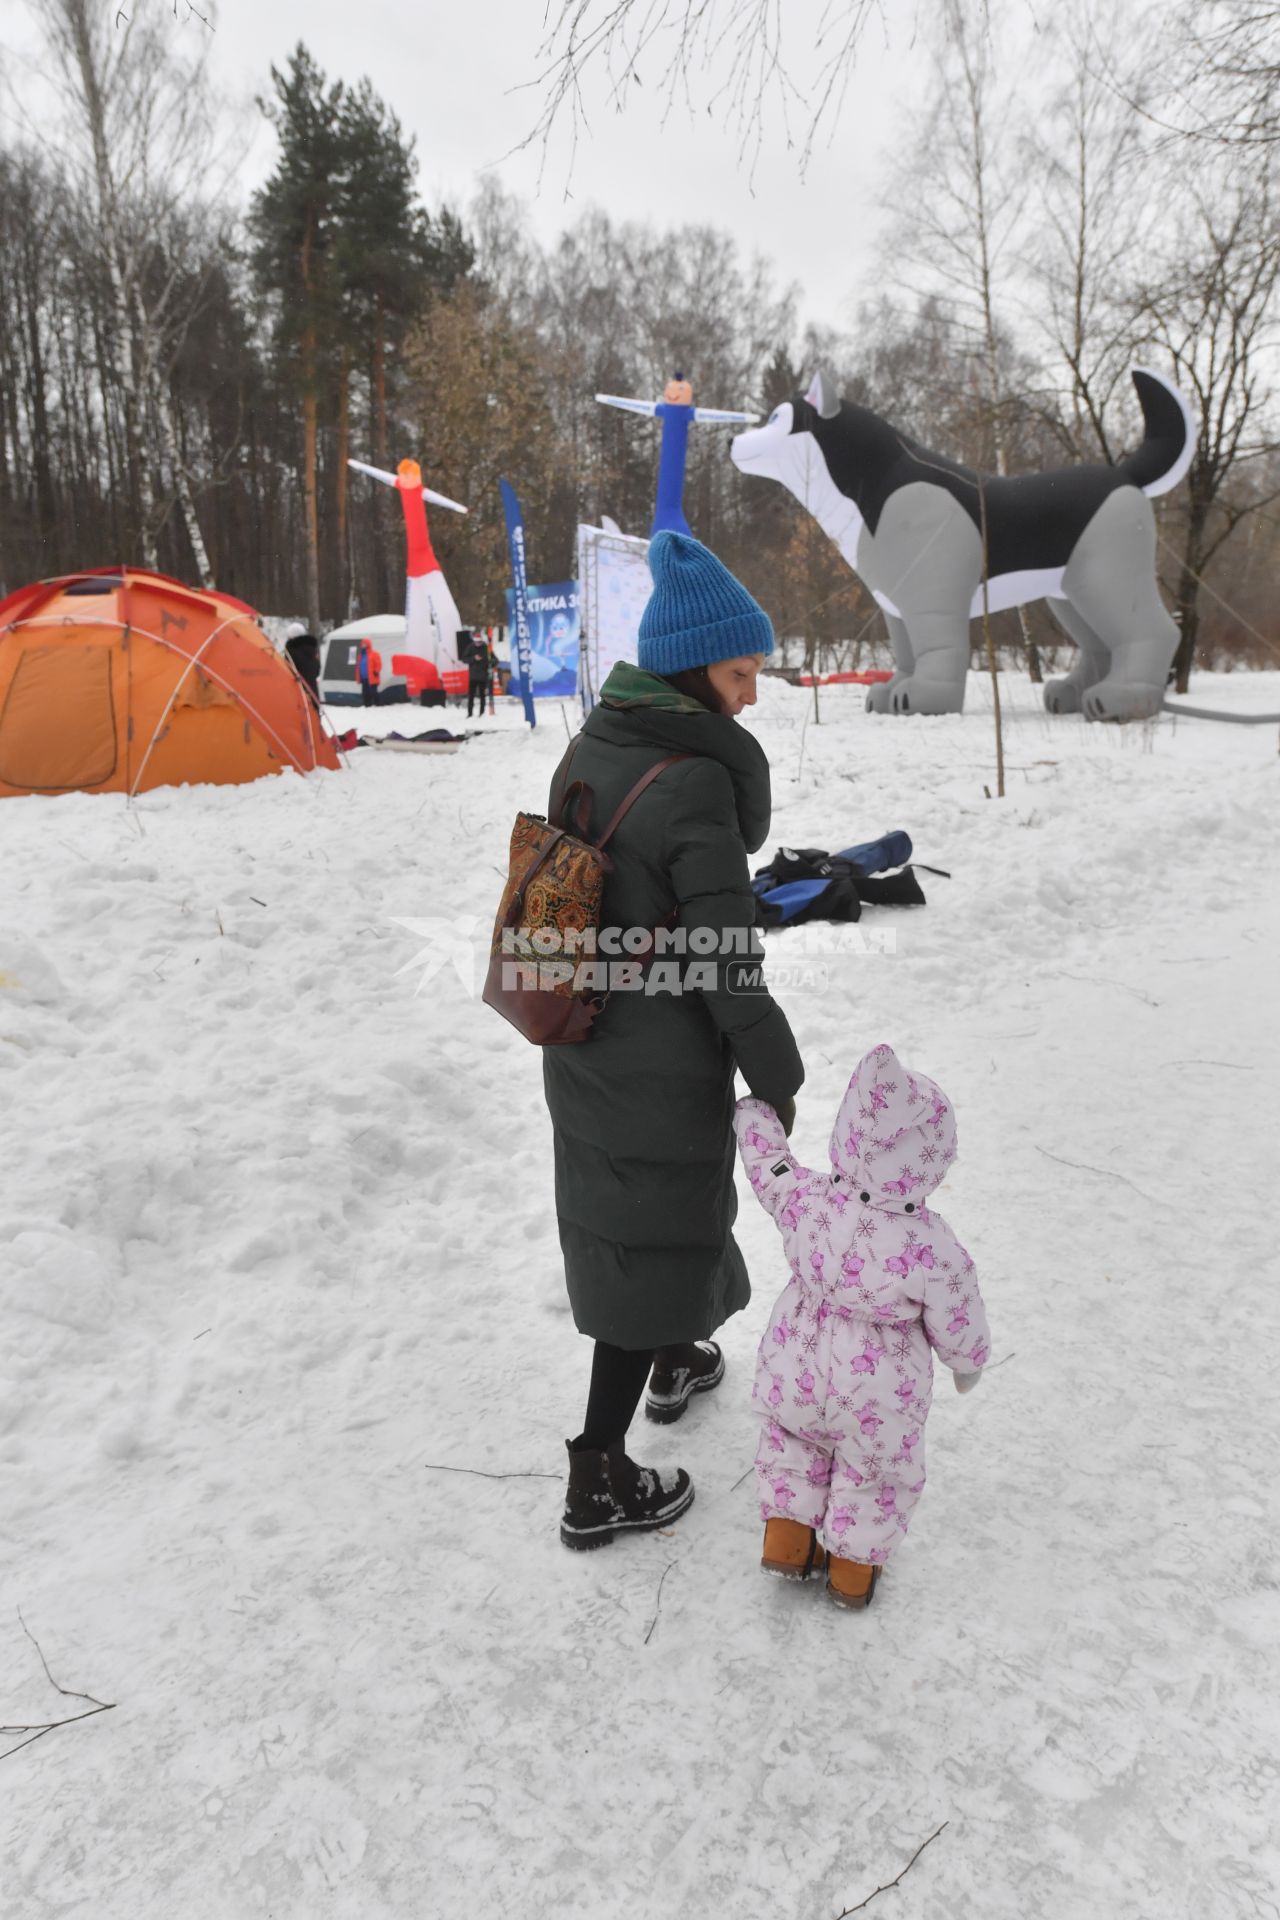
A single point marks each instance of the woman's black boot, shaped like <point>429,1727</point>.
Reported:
<point>679,1373</point>
<point>608,1494</point>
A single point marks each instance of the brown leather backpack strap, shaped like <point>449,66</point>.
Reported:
<point>577,800</point>
<point>639,787</point>
<point>556,815</point>
<point>535,867</point>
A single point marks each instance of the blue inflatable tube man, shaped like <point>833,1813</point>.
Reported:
<point>677,414</point>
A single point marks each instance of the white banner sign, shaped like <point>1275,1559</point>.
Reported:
<point>614,586</point>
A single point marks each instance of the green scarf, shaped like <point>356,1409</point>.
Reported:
<point>630,686</point>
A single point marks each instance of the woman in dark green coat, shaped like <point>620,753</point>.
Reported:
<point>642,1111</point>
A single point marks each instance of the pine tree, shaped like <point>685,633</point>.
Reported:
<point>393,258</point>
<point>295,220</point>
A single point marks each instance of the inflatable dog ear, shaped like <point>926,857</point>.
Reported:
<point>822,395</point>
<point>920,531</point>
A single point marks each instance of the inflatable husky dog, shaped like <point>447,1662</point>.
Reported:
<point>909,523</point>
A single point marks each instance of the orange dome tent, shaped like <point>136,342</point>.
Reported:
<point>118,680</point>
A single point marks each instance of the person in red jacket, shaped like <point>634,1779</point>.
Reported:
<point>368,673</point>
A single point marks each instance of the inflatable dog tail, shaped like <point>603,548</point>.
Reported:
<point>1170,440</point>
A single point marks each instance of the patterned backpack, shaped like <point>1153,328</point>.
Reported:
<point>550,913</point>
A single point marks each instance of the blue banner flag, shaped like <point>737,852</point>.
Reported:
<point>554,639</point>
<point>522,652</point>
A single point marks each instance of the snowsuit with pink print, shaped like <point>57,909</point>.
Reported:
<point>879,1284</point>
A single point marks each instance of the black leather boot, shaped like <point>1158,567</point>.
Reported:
<point>679,1373</point>
<point>608,1494</point>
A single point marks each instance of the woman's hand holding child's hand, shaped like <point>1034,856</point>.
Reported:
<point>787,1114</point>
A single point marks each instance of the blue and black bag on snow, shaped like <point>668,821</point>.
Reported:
<point>808,883</point>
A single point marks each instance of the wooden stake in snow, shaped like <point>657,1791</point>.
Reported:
<point>991,650</point>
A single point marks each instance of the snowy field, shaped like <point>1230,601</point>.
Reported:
<point>286,1368</point>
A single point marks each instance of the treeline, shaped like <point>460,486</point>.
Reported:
<point>183,373</point>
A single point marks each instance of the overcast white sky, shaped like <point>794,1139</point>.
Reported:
<point>458,76</point>
<point>453,72</point>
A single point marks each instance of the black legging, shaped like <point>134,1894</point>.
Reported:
<point>617,1380</point>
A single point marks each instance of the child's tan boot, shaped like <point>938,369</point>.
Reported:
<point>849,1583</point>
<point>790,1549</point>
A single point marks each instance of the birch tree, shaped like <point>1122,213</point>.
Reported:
<point>1097,191</point>
<point>962,214</point>
<point>1214,312</point>
<point>1222,75</point>
<point>142,138</point>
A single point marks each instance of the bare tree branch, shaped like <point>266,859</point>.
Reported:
<point>36,1730</point>
<point>902,1876</point>
<point>658,1600</point>
<point>737,46</point>
<point>437,1466</point>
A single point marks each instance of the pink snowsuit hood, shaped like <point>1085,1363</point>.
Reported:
<point>895,1134</point>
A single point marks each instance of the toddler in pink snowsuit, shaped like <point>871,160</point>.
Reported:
<point>878,1285</point>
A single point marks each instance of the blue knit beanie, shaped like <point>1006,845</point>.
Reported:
<point>697,613</point>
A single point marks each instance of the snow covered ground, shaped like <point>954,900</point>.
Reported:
<point>280,1288</point>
